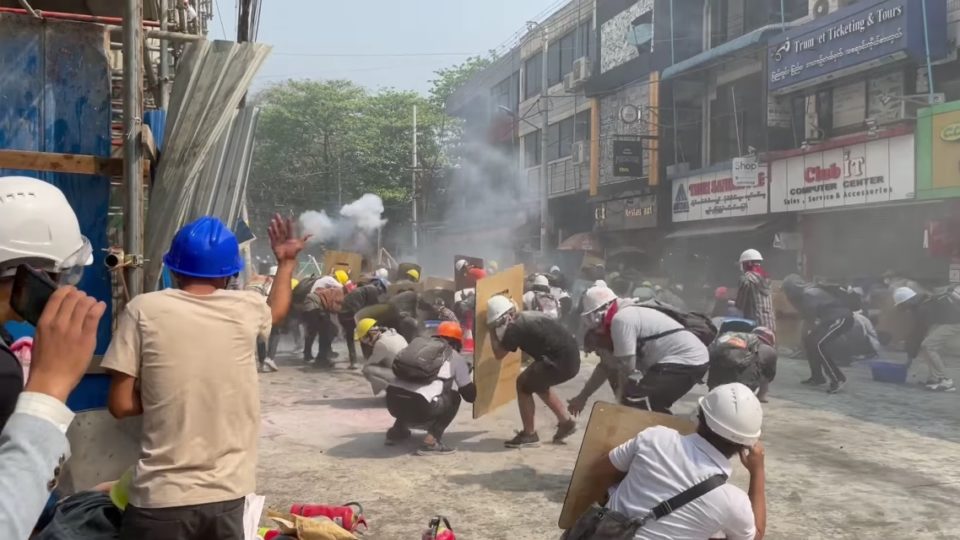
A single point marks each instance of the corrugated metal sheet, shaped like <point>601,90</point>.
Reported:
<point>211,80</point>
<point>55,97</point>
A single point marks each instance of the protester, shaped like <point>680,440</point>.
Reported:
<point>936,323</point>
<point>267,350</point>
<point>644,293</point>
<point>747,358</point>
<point>184,359</point>
<point>39,229</point>
<point>429,395</point>
<point>540,298</point>
<point>318,309</point>
<point>471,273</point>
<point>669,297</point>
<point>827,310</point>
<point>33,444</point>
<point>406,303</point>
<point>753,296</point>
<point>556,360</point>
<point>720,303</point>
<point>660,464</point>
<point>353,302</point>
<point>384,344</point>
<point>671,359</point>
<point>608,370</point>
<point>436,310</point>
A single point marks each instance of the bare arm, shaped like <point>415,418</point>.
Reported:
<point>753,460</point>
<point>286,246</point>
<point>281,297</point>
<point>124,399</point>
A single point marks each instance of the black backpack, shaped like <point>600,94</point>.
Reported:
<point>697,324</point>
<point>302,289</point>
<point>421,360</point>
<point>734,358</point>
<point>846,296</point>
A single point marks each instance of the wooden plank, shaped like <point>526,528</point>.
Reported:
<point>610,426</point>
<point>343,260</point>
<point>496,379</point>
<point>60,163</point>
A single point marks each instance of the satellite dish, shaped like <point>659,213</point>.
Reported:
<point>629,114</point>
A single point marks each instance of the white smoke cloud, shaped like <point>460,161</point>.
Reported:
<point>364,214</point>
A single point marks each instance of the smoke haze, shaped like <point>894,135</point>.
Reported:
<point>364,215</point>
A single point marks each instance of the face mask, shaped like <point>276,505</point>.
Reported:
<point>500,331</point>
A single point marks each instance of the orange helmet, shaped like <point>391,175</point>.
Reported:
<point>450,330</point>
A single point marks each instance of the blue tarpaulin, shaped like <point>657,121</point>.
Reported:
<point>55,95</point>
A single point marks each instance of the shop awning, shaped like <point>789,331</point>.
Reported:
<point>720,52</point>
<point>708,228</point>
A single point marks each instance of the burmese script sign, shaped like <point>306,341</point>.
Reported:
<point>715,195</point>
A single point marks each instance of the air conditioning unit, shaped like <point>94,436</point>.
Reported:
<point>911,104</point>
<point>581,152</point>
<point>569,85</point>
<point>582,70</point>
<point>820,8</point>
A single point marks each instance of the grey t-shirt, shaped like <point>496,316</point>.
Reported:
<point>635,322</point>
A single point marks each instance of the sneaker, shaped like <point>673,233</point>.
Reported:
<point>564,430</point>
<point>523,440</point>
<point>269,366</point>
<point>435,449</point>
<point>353,366</point>
<point>396,436</point>
<point>836,387</point>
<point>943,385</point>
<point>814,382</point>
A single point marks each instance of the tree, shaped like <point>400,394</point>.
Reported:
<point>450,79</point>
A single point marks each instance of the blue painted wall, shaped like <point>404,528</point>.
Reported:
<point>55,97</point>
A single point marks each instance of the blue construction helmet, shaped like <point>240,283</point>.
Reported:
<point>205,248</point>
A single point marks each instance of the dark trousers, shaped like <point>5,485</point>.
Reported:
<point>349,325</point>
<point>318,326</point>
<point>213,521</point>
<point>268,349</point>
<point>662,386</point>
<point>410,409</point>
<point>817,345</point>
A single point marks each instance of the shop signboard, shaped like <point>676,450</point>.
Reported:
<point>938,146</point>
<point>713,195</point>
<point>627,158</point>
<point>872,172</point>
<point>639,212</point>
<point>853,39</point>
<point>746,171</point>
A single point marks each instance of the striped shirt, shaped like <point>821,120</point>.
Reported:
<point>754,300</point>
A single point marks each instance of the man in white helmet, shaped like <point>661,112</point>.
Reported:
<point>936,324</point>
<point>556,360</point>
<point>644,339</point>
<point>753,295</point>
<point>540,298</point>
<point>691,472</point>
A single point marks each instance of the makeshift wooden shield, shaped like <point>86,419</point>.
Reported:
<point>609,426</point>
<point>496,379</point>
<point>343,260</point>
<point>462,282</point>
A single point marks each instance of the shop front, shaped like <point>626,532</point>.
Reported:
<point>626,225</point>
<point>714,219</point>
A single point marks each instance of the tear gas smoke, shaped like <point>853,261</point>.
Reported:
<point>364,215</point>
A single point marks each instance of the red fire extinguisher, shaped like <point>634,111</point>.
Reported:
<point>439,529</point>
<point>349,516</point>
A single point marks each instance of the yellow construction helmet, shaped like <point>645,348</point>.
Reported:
<point>342,277</point>
<point>414,274</point>
<point>294,282</point>
<point>364,326</point>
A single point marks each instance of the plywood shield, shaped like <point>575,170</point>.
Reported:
<point>343,260</point>
<point>496,379</point>
<point>461,282</point>
<point>609,426</point>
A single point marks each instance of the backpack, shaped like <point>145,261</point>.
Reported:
<point>303,288</point>
<point>734,358</point>
<point>420,362</point>
<point>846,296</point>
<point>697,324</point>
<point>547,304</point>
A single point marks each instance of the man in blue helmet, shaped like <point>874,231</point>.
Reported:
<point>185,359</point>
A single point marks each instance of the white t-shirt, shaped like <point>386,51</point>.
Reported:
<point>455,369</point>
<point>326,282</point>
<point>632,323</point>
<point>660,464</point>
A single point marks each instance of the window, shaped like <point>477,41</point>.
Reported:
<point>506,94</point>
<point>564,51</point>
<point>532,75</point>
<point>531,149</point>
<point>642,32</point>
<point>581,129</point>
<point>560,136</point>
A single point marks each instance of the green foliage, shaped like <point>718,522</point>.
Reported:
<point>450,79</point>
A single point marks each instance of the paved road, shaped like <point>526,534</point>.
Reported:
<point>879,461</point>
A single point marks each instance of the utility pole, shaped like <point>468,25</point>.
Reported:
<point>544,125</point>
<point>132,151</point>
<point>164,70</point>
<point>413,180</point>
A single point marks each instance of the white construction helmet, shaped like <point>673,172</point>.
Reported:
<point>461,264</point>
<point>733,412</point>
<point>903,294</point>
<point>37,225</point>
<point>382,273</point>
<point>751,255</point>
<point>541,280</point>
<point>596,298</point>
<point>498,306</point>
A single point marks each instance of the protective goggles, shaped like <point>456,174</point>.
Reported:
<point>68,272</point>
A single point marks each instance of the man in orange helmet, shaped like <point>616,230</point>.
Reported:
<point>432,379</point>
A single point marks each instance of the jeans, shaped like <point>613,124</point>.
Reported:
<point>662,386</point>
<point>410,409</point>
<point>212,521</point>
<point>349,325</point>
<point>318,326</point>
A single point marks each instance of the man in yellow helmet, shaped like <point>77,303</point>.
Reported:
<point>384,344</point>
